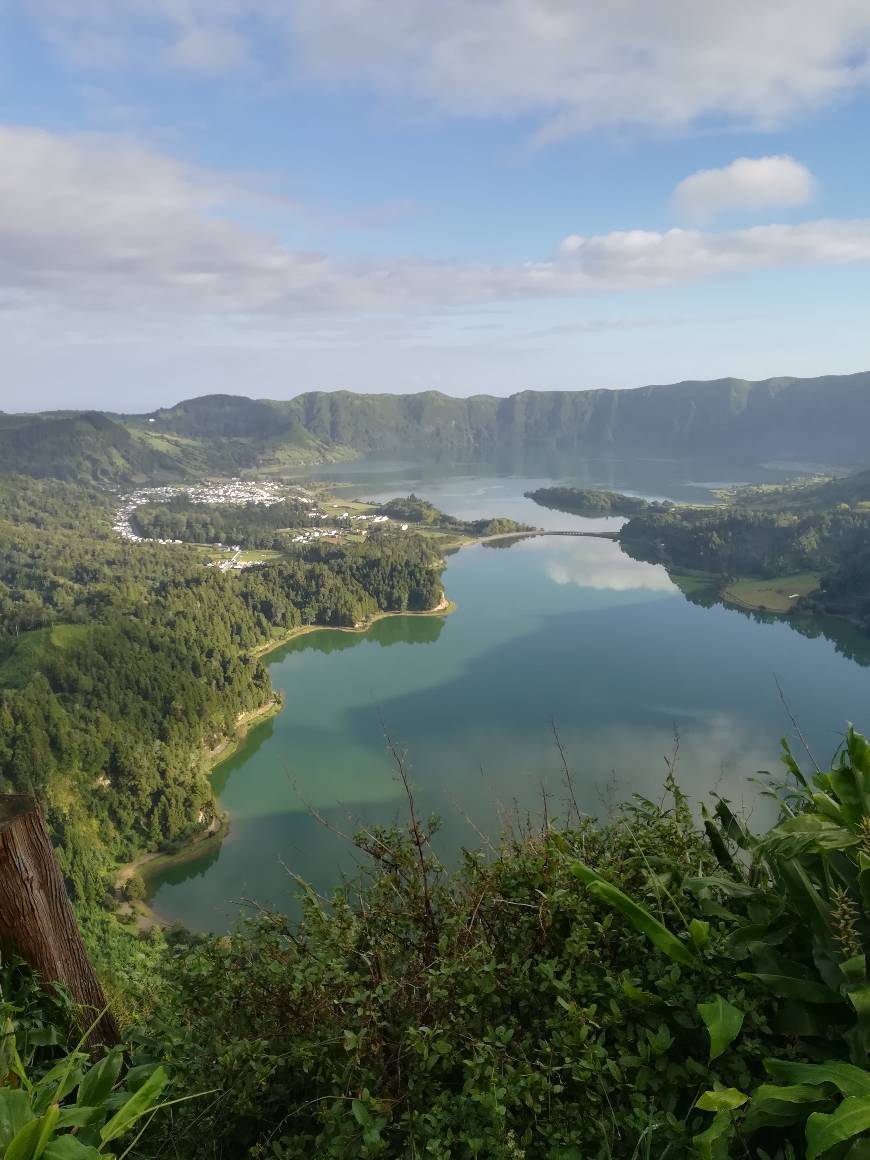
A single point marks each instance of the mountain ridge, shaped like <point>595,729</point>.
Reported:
<point>820,419</point>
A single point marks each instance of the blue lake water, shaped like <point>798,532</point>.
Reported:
<point>549,629</point>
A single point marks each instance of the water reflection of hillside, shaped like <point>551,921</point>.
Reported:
<point>677,479</point>
<point>847,639</point>
<point>389,631</point>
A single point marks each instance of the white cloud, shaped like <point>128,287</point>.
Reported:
<point>572,66</point>
<point>97,223</point>
<point>749,183</point>
<point>209,50</point>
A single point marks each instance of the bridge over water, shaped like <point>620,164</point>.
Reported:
<point>544,532</point>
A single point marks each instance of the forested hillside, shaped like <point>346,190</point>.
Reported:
<point>591,502</point>
<point>785,418</point>
<point>83,446</point>
<point>820,420</point>
<point>122,665</point>
<point>728,418</point>
<point>772,533</point>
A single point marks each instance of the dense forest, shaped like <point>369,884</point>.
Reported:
<point>731,420</point>
<point>583,501</point>
<point>418,511</point>
<point>249,525</point>
<point>123,665</point>
<point>739,540</point>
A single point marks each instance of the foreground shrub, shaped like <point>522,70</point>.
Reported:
<point>504,1010</point>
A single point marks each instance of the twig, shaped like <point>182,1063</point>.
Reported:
<point>419,838</point>
<point>566,770</point>
<point>797,727</point>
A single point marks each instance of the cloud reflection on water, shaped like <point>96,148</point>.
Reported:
<point>602,564</point>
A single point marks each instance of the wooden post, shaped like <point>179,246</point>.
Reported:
<point>36,917</point>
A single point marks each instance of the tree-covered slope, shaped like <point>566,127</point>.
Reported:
<point>123,665</point>
<point>819,419</point>
<point>83,446</point>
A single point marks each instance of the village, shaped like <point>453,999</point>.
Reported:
<point>242,492</point>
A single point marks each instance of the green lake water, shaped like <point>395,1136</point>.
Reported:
<point>570,630</point>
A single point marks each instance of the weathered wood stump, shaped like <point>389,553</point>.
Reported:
<point>36,917</point>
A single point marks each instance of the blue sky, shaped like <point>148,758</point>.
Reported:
<point>270,196</point>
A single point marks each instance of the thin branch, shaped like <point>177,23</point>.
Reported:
<point>419,838</point>
<point>797,727</point>
<point>566,769</point>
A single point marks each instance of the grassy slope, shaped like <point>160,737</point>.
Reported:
<point>779,594</point>
<point>25,652</point>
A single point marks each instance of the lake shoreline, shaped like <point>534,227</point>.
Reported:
<point>153,862</point>
<point>443,608</point>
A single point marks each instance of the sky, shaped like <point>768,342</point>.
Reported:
<point>265,197</point>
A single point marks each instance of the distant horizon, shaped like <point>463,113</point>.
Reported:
<point>72,409</point>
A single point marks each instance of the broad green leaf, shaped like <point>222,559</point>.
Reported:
<point>100,1079</point>
<point>858,749</point>
<point>700,932</point>
<point>846,787</point>
<point>754,934</point>
<point>855,969</point>
<point>23,1144</point>
<point>31,1141</point>
<point>79,1117</point>
<point>8,1050</point>
<point>10,1060</point>
<point>717,843</point>
<point>846,1078</point>
<point>726,886</point>
<point>810,905</point>
<point>807,832</point>
<point>360,1113</point>
<point>824,1130</point>
<point>136,1076</point>
<point>712,1144</point>
<point>795,1093</point>
<point>790,763</point>
<point>787,987</point>
<point>779,1107</point>
<point>639,917</point>
<point>15,1112</point>
<point>46,1127</point>
<point>70,1148</point>
<point>825,804</point>
<point>724,1100</point>
<point>138,1104</point>
<point>723,1020</point>
<point>57,1083</point>
<point>733,827</point>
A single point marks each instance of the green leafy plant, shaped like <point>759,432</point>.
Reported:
<point>799,898</point>
<point>69,1106</point>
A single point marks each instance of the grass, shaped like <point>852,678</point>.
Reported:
<point>779,594</point>
<point>25,652</point>
<point>696,583</point>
